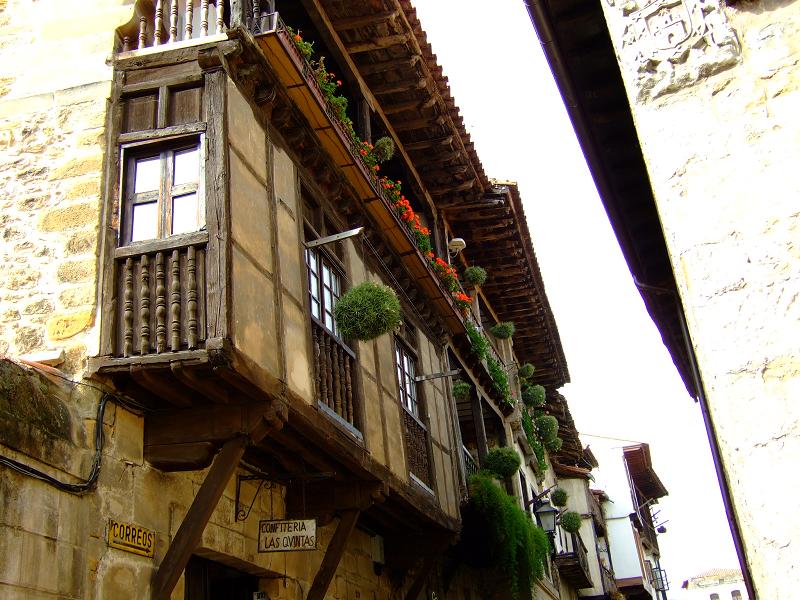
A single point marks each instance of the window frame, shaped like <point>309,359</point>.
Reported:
<point>407,386</point>
<point>164,150</point>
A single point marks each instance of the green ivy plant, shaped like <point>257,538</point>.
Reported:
<point>499,380</point>
<point>533,439</point>
<point>478,343</point>
<point>367,311</point>
<point>503,462</point>
<point>497,534</point>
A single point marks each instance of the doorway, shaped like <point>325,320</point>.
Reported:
<point>210,580</point>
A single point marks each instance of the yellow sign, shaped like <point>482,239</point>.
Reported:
<point>131,538</point>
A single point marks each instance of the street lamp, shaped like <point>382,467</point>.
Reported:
<point>547,513</point>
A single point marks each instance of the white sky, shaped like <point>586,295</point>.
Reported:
<point>623,381</point>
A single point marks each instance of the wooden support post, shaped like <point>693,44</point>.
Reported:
<point>480,429</point>
<point>191,530</point>
<point>421,577</point>
<point>333,554</point>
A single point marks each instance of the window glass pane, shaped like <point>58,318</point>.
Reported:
<point>184,214</point>
<point>147,174</point>
<point>187,166</point>
<point>315,311</point>
<point>145,221</point>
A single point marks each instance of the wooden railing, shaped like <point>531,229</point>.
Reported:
<point>572,544</point>
<point>161,304</point>
<point>163,22</point>
<point>334,368</point>
<point>417,448</point>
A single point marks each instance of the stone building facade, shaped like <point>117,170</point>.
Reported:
<point>700,185</point>
<point>170,367</point>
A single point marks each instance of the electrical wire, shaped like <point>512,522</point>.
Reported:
<point>73,488</point>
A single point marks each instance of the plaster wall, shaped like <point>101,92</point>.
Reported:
<point>717,120</point>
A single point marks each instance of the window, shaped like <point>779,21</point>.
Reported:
<point>736,595</point>
<point>406,374</point>
<point>162,192</point>
<point>714,597</point>
<point>324,288</point>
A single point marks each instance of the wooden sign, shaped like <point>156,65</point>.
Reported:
<point>287,536</point>
<point>131,538</point>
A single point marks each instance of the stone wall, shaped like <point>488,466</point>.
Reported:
<point>52,126</point>
<point>722,147</point>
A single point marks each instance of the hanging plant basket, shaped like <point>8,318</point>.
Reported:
<point>547,428</point>
<point>558,497</point>
<point>533,395</point>
<point>525,371</point>
<point>503,462</point>
<point>503,331</point>
<point>571,522</point>
<point>461,390</point>
<point>475,276</point>
<point>367,311</point>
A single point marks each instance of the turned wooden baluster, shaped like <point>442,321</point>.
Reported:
<point>328,373</point>
<point>173,21</point>
<point>126,43</point>
<point>337,383</point>
<point>189,10</point>
<point>144,308</point>
<point>204,18</point>
<point>316,343</point>
<point>161,305</point>
<point>159,23</point>
<point>175,302</point>
<point>191,297</point>
<point>220,16</point>
<point>348,382</point>
<point>127,348</point>
<point>142,32</point>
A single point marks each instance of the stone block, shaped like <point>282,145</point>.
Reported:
<point>21,278</point>
<point>82,188</point>
<point>5,85</point>
<point>75,297</point>
<point>62,327</point>
<point>76,271</point>
<point>70,217</point>
<point>75,167</point>
<point>81,242</point>
<point>28,339</point>
<point>40,307</point>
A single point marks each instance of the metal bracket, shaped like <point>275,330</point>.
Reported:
<point>334,238</point>
<point>267,482</point>
<point>452,373</point>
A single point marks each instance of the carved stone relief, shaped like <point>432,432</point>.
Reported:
<point>670,44</point>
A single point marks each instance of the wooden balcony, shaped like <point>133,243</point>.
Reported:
<point>572,561</point>
<point>297,76</point>
<point>334,377</point>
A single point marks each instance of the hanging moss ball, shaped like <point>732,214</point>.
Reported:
<point>525,371</point>
<point>571,522</point>
<point>558,497</point>
<point>384,149</point>
<point>475,275</point>
<point>547,428</point>
<point>504,462</point>
<point>554,445</point>
<point>367,311</point>
<point>503,331</point>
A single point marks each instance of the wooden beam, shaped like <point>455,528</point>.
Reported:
<point>389,65</point>
<point>333,555</point>
<point>378,43</point>
<point>191,529</point>
<point>392,87</point>
<point>454,188</point>
<point>420,577</point>
<point>365,20</point>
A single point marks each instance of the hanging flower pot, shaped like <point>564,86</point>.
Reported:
<point>461,390</point>
<point>558,497</point>
<point>571,522</point>
<point>367,311</point>
<point>503,331</point>
<point>475,275</point>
